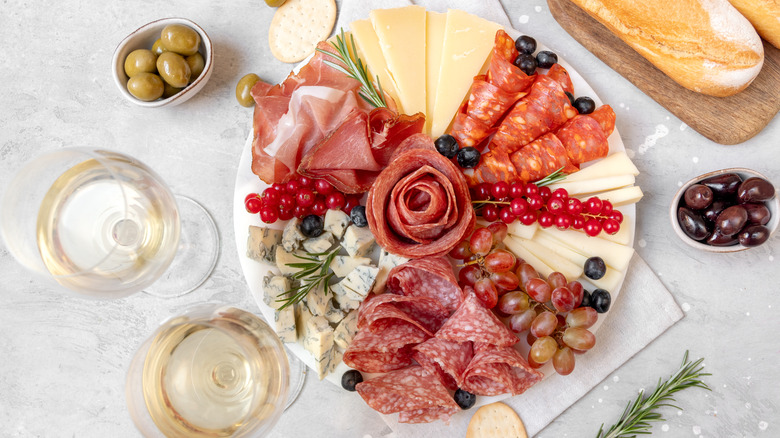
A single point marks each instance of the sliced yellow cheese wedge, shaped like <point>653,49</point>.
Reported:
<point>613,254</point>
<point>560,249</point>
<point>622,196</point>
<point>468,40</point>
<point>434,30</point>
<point>609,281</point>
<point>516,228</point>
<point>550,258</point>
<point>611,165</point>
<point>369,51</point>
<point>401,35</point>
<point>514,245</point>
<point>596,185</point>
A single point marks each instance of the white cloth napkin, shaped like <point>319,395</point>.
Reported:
<point>628,328</point>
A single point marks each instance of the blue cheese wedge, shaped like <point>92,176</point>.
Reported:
<point>357,241</point>
<point>274,287</point>
<point>361,280</point>
<point>386,262</point>
<point>347,299</point>
<point>292,236</point>
<point>336,222</point>
<point>261,243</point>
<point>318,340</point>
<point>319,244</point>
<point>302,316</point>
<point>284,259</point>
<point>284,324</point>
<point>332,314</point>
<point>317,301</point>
<point>346,330</point>
<point>342,265</point>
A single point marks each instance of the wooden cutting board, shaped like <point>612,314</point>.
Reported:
<point>724,120</point>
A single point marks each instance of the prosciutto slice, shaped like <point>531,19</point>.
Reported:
<point>494,371</point>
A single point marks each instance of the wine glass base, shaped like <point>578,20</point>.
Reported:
<point>196,256</point>
<point>297,377</point>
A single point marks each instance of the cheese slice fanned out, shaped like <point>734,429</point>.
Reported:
<point>434,30</point>
<point>369,51</point>
<point>611,165</point>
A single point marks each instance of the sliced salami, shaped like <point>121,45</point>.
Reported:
<point>377,311</point>
<point>583,140</point>
<point>445,359</point>
<point>540,158</point>
<point>488,102</point>
<point>494,166</point>
<point>386,350</point>
<point>561,76</point>
<point>494,371</point>
<point>472,322</point>
<point>469,131</point>
<point>502,72</point>
<point>431,277</point>
<point>606,118</point>
<point>413,392</point>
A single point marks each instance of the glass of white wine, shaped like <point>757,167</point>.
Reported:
<point>215,371</point>
<point>105,225</point>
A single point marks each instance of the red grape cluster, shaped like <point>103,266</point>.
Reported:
<point>530,203</point>
<point>299,198</point>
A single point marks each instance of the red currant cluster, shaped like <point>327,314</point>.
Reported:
<point>299,198</point>
<point>530,203</point>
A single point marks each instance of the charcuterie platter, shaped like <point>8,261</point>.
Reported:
<point>427,245</point>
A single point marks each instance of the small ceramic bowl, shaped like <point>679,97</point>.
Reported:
<point>773,205</point>
<point>143,38</point>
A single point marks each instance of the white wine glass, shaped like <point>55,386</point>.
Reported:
<point>104,225</point>
<point>216,371</point>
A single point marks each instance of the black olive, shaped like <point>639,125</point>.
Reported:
<point>586,299</point>
<point>595,268</point>
<point>350,379</point>
<point>358,216</point>
<point>447,145</point>
<point>546,59</point>
<point>468,157</point>
<point>600,300</point>
<point>525,44</point>
<point>526,63</point>
<point>311,225</point>
<point>464,399</point>
<point>570,96</point>
<point>584,105</point>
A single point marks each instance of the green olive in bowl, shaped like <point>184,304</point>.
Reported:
<point>180,39</point>
<point>145,86</point>
<point>174,69</point>
<point>157,47</point>
<point>140,61</point>
<point>196,63</point>
<point>244,89</point>
<point>170,90</point>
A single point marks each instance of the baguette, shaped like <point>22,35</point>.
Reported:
<point>704,45</point>
<point>764,15</point>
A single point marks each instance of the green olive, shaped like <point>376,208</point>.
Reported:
<point>180,39</point>
<point>174,69</point>
<point>145,86</point>
<point>169,90</point>
<point>243,89</point>
<point>274,3</point>
<point>196,64</point>
<point>140,61</point>
<point>157,47</point>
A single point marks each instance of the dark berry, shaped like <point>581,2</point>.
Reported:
<point>311,225</point>
<point>525,44</point>
<point>468,157</point>
<point>447,145</point>
<point>586,299</point>
<point>571,97</point>
<point>526,63</point>
<point>546,59</point>
<point>464,399</point>
<point>600,300</point>
<point>584,105</point>
<point>350,379</point>
<point>358,216</point>
<point>595,268</point>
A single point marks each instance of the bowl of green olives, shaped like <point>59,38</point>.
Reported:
<point>727,210</point>
<point>163,63</point>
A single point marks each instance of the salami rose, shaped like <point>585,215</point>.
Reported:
<point>419,205</point>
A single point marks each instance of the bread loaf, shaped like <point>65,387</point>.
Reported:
<point>704,45</point>
<point>764,15</point>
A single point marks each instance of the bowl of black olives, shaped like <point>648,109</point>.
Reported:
<point>726,210</point>
<point>163,63</point>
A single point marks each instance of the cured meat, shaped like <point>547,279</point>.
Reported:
<point>606,118</point>
<point>378,311</point>
<point>472,322</point>
<point>412,392</point>
<point>445,359</point>
<point>583,139</point>
<point>494,166</point>
<point>351,157</point>
<point>495,371</point>
<point>419,205</point>
<point>540,158</point>
<point>430,277</point>
<point>559,74</point>
<point>542,110</point>
<point>502,72</point>
<point>385,350</point>
<point>468,131</point>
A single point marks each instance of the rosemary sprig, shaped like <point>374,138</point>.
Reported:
<point>637,416</point>
<point>552,178</point>
<point>355,69</point>
<point>313,272</point>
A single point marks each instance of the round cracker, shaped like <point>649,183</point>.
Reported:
<point>297,27</point>
<point>496,420</point>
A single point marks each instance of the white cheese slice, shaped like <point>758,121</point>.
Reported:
<point>434,41</point>
<point>561,249</point>
<point>614,254</point>
<point>346,330</point>
<point>611,165</point>
<point>274,287</point>
<point>319,244</point>
<point>292,236</point>
<point>261,243</point>
<point>284,324</point>
<point>342,265</point>
<point>516,228</point>
<point>514,245</point>
<point>468,41</point>
<point>594,186</point>
<point>336,222</point>
<point>386,263</point>
<point>357,240</point>
<point>622,196</point>
<point>552,259</point>
<point>401,35</point>
<point>609,281</point>
<point>318,340</point>
<point>369,51</point>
